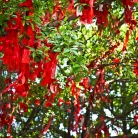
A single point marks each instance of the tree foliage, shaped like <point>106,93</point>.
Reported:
<point>68,68</point>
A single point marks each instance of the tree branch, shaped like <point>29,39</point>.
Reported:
<point>127,136</point>
<point>62,133</point>
<point>27,123</point>
<point>56,23</point>
<point>86,121</point>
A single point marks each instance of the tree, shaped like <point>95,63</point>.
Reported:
<point>68,68</point>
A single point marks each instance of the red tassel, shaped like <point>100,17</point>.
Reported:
<point>48,125</point>
<point>126,40</point>
<point>27,3</point>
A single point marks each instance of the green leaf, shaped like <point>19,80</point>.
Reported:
<point>66,50</point>
<point>57,50</point>
<point>74,52</point>
<point>34,54</point>
<point>84,67</point>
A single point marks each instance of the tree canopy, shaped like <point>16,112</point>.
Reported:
<point>68,68</point>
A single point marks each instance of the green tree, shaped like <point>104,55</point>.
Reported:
<point>68,68</point>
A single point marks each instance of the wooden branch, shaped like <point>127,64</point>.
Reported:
<point>122,80</point>
<point>131,127</point>
<point>70,120</point>
<point>87,115</point>
<point>134,108</point>
<point>62,133</point>
<point>86,121</point>
<point>27,123</point>
<point>108,1</point>
<point>127,136</point>
<point>57,22</point>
